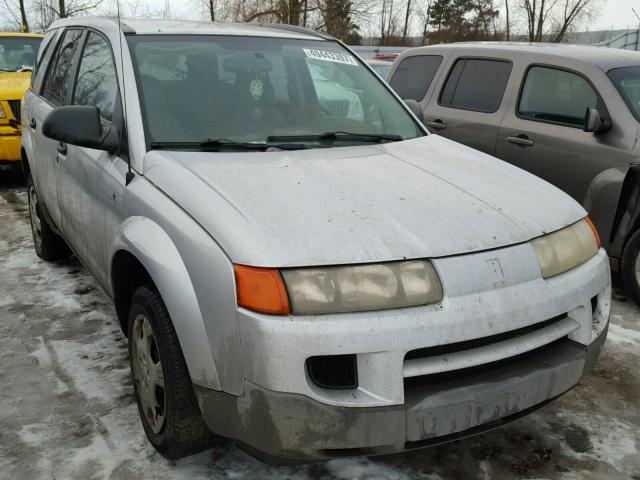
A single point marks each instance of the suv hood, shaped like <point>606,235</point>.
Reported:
<point>14,84</point>
<point>427,197</point>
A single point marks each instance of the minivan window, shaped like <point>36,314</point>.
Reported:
<point>557,96</point>
<point>96,84</point>
<point>59,79</point>
<point>476,84</point>
<point>195,88</point>
<point>627,81</point>
<point>413,76</point>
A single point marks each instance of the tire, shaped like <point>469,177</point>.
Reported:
<point>169,413</point>
<point>48,245</point>
<point>630,267</point>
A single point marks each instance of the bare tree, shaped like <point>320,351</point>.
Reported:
<point>50,10</point>
<point>537,12</point>
<point>406,21</point>
<point>16,14</point>
<point>553,18</point>
<point>214,10</point>
<point>425,18</point>
<point>506,6</point>
<point>572,11</point>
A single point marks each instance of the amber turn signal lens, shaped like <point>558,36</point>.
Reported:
<point>261,290</point>
<point>594,230</point>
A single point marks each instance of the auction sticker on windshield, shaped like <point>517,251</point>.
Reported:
<point>330,56</point>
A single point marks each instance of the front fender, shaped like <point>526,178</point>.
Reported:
<point>627,217</point>
<point>155,250</point>
<point>601,201</point>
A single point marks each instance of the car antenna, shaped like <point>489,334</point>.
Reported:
<point>129,176</point>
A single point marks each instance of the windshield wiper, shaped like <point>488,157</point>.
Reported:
<point>337,136</point>
<point>217,145</point>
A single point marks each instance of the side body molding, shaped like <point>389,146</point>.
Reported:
<point>155,250</point>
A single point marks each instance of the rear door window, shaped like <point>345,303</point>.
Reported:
<point>414,75</point>
<point>59,80</point>
<point>557,96</point>
<point>476,84</point>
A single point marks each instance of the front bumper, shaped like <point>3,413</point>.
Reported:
<point>297,428</point>
<point>9,144</point>
<point>282,413</point>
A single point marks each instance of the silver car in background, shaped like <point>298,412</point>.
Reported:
<point>311,279</point>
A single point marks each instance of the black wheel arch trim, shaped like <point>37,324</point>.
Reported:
<point>627,216</point>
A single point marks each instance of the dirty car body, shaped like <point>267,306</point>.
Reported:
<point>331,294</point>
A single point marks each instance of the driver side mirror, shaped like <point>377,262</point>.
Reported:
<point>78,125</point>
<point>594,122</point>
<point>415,108</point>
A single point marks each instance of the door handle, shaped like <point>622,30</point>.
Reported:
<point>32,123</point>
<point>521,141</point>
<point>437,125</point>
<point>62,148</point>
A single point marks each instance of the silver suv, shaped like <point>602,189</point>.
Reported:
<point>296,263</point>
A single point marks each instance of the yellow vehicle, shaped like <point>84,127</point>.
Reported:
<point>17,58</point>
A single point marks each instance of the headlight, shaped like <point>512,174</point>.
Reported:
<point>2,114</point>
<point>565,249</point>
<point>362,287</point>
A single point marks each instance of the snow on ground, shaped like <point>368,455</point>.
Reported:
<point>67,409</point>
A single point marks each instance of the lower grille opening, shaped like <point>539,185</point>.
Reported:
<point>352,452</point>
<point>15,109</point>
<point>480,342</point>
<point>594,304</point>
<point>412,382</point>
<point>333,371</point>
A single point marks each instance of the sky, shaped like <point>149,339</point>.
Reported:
<point>617,14</point>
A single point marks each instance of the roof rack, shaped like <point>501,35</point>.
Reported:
<point>296,29</point>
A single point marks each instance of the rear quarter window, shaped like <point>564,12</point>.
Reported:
<point>476,84</point>
<point>414,75</point>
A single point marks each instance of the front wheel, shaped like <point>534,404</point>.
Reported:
<point>48,245</point>
<point>166,401</point>
<point>630,267</point>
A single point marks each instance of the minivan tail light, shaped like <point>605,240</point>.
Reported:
<point>261,290</point>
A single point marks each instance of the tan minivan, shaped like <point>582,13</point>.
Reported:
<point>569,114</point>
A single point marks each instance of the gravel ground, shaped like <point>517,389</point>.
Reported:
<point>67,409</point>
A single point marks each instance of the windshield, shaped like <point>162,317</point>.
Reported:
<point>18,53</point>
<point>230,91</point>
<point>627,81</point>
